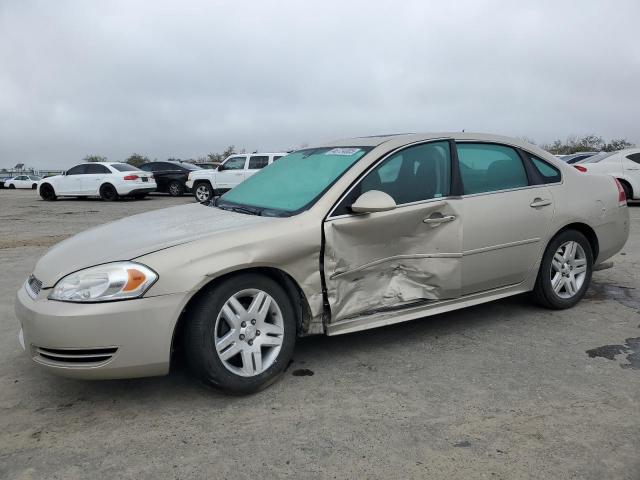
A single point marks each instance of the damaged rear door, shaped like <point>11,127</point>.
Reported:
<point>394,259</point>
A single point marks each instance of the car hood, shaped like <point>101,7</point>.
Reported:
<point>138,235</point>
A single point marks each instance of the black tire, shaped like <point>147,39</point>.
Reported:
<point>627,190</point>
<point>203,191</point>
<point>543,293</point>
<point>176,189</point>
<point>12,187</point>
<point>47,192</point>
<point>34,186</point>
<point>108,193</point>
<point>199,338</point>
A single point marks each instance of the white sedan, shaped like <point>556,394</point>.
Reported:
<point>623,165</point>
<point>107,180</point>
<point>23,181</point>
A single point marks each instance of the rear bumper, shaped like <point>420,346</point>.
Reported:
<point>139,191</point>
<point>613,234</point>
<point>137,187</point>
<point>124,339</point>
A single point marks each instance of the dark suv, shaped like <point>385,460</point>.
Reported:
<point>170,176</point>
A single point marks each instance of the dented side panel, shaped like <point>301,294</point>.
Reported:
<point>389,260</point>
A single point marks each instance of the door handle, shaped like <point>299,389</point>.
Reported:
<point>438,220</point>
<point>540,202</point>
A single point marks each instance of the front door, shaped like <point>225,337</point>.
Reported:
<point>71,183</point>
<point>506,217</point>
<point>403,257</point>
<point>231,173</point>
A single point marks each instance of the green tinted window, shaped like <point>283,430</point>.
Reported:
<point>549,173</point>
<point>487,167</point>
<point>294,181</point>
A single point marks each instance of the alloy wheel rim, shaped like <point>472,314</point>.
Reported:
<point>173,188</point>
<point>202,194</point>
<point>249,332</point>
<point>568,269</point>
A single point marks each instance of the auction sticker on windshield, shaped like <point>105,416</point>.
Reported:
<point>343,151</point>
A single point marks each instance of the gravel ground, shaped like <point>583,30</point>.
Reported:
<point>501,391</point>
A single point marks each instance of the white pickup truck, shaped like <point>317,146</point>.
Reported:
<point>234,170</point>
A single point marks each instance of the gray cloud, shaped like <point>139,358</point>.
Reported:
<point>186,78</point>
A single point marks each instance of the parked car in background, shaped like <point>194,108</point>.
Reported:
<point>170,176</point>
<point>107,180</point>
<point>4,179</point>
<point>208,165</point>
<point>577,157</point>
<point>23,181</point>
<point>623,165</point>
<point>333,239</point>
<point>235,169</point>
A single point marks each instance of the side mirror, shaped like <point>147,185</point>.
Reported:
<point>220,167</point>
<point>373,201</point>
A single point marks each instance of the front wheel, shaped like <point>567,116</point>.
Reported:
<point>176,189</point>
<point>241,334</point>
<point>12,186</point>
<point>203,192</point>
<point>565,271</point>
<point>47,192</point>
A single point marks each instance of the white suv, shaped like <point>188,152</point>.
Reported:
<point>234,170</point>
<point>107,180</point>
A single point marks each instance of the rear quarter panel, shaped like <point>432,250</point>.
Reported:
<point>592,200</point>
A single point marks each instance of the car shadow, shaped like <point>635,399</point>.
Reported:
<point>179,386</point>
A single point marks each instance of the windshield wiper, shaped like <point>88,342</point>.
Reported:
<point>241,209</point>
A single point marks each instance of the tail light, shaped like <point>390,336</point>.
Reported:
<point>580,168</point>
<point>622,197</point>
<point>131,177</point>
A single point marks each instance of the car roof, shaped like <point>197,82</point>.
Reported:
<point>406,138</point>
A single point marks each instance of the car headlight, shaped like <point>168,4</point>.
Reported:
<point>111,281</point>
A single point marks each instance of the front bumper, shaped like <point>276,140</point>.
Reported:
<point>124,339</point>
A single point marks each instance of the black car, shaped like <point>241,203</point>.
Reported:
<point>170,176</point>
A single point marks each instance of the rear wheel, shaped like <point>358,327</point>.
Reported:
<point>241,334</point>
<point>203,192</point>
<point>108,192</point>
<point>12,186</point>
<point>176,189</point>
<point>47,192</point>
<point>565,271</point>
<point>34,186</point>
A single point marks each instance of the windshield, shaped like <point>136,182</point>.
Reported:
<point>293,183</point>
<point>124,167</point>
<point>597,158</point>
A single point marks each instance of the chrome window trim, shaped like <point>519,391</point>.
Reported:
<point>374,165</point>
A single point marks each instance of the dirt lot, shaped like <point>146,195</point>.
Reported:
<point>504,390</point>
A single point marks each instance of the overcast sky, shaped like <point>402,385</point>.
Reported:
<point>183,78</point>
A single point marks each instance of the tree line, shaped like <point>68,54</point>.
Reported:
<point>137,159</point>
<point>586,143</point>
<point>572,144</point>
